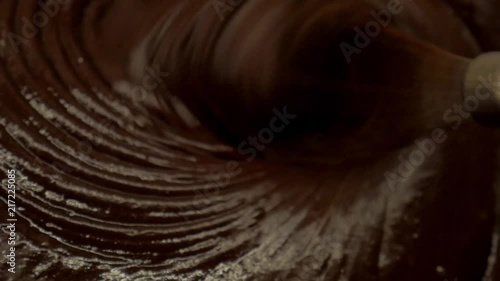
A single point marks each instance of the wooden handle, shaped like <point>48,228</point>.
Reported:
<point>482,88</point>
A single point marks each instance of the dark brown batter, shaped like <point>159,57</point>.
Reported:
<point>232,140</point>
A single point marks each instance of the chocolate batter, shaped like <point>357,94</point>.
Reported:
<point>236,140</point>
